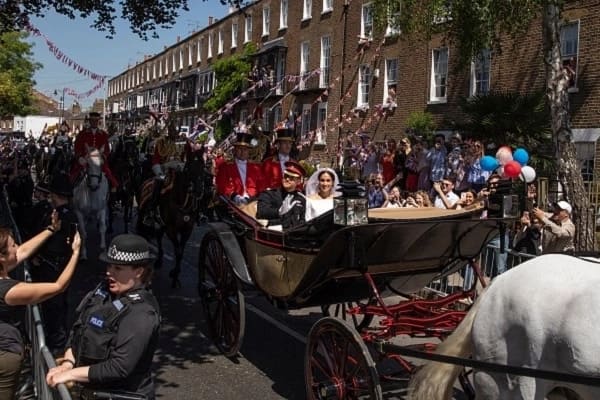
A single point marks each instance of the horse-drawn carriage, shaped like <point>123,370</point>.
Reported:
<point>347,269</point>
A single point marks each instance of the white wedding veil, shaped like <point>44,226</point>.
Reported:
<point>312,184</point>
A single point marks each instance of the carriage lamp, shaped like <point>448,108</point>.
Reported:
<point>351,207</point>
<point>503,203</point>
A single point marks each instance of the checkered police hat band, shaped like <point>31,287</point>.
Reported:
<point>127,256</point>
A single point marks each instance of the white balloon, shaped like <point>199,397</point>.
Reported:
<point>527,174</point>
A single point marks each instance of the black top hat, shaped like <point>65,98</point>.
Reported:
<point>61,185</point>
<point>127,249</point>
<point>243,139</point>
<point>94,114</point>
<point>284,132</point>
<point>42,186</point>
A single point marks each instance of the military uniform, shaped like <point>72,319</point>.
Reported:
<point>117,338</point>
<point>269,208</point>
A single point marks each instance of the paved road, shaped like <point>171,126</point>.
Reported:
<point>188,366</point>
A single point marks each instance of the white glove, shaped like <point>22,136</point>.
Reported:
<point>142,157</point>
<point>240,200</point>
<point>82,161</point>
<point>157,169</point>
<point>288,204</point>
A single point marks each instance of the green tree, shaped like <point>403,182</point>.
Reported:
<point>231,74</point>
<point>16,75</point>
<point>473,25</point>
<point>421,123</point>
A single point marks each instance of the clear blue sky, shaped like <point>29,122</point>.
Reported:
<point>92,50</point>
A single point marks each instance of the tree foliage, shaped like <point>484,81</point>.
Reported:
<point>16,75</point>
<point>421,123</point>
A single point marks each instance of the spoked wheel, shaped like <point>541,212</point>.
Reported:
<point>340,311</point>
<point>338,365</point>
<point>222,299</point>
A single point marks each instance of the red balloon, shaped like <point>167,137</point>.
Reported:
<point>512,169</point>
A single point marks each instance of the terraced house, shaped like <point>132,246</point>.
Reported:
<point>323,62</point>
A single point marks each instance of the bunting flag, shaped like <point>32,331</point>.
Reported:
<point>79,96</point>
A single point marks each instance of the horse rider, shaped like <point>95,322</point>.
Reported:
<point>97,138</point>
<point>51,259</point>
<point>240,180</point>
<point>273,167</point>
<point>165,159</point>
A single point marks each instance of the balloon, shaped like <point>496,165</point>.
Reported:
<point>512,169</point>
<point>528,174</point>
<point>504,155</point>
<point>521,156</point>
<point>488,163</point>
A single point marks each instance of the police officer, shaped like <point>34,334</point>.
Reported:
<point>52,258</point>
<point>116,331</point>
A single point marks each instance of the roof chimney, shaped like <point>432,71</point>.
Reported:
<point>178,38</point>
<point>210,20</point>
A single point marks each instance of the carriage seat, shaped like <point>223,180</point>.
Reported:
<point>250,209</point>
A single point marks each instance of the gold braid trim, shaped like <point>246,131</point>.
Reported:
<point>166,148</point>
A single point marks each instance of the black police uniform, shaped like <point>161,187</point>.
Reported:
<point>117,338</point>
<point>52,258</point>
<point>271,200</point>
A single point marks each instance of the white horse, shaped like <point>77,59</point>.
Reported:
<point>90,197</point>
<point>543,314</point>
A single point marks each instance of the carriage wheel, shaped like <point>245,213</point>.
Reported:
<point>340,311</point>
<point>222,299</point>
<point>338,365</point>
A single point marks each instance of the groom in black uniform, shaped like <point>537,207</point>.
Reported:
<point>285,206</point>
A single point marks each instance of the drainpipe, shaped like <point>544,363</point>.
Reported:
<point>342,88</point>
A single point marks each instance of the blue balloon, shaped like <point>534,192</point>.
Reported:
<point>521,156</point>
<point>489,163</point>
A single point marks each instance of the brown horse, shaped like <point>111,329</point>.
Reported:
<point>180,207</point>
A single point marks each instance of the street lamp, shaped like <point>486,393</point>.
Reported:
<point>62,104</point>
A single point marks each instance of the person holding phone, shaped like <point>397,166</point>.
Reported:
<point>51,260</point>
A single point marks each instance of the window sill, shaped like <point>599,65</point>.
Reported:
<point>282,28</point>
<point>265,35</point>
<point>327,11</point>
<point>438,101</point>
<point>392,105</point>
<point>234,47</point>
<point>364,40</point>
<point>362,108</point>
<point>304,19</point>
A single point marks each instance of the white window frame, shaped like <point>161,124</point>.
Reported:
<point>174,63</point>
<point>321,122</point>
<point>160,74</point>
<point>438,69</point>
<point>366,21</point>
<point>248,28</point>
<point>305,127</point>
<point>266,21</point>
<point>480,69</point>
<point>277,114</point>
<point>221,42</point>
<point>190,54</point>
<point>180,58</point>
<point>147,72</point>
<point>265,120</point>
<point>327,6</point>
<point>566,48</point>
<point>304,62</point>
<point>210,46</point>
<point>306,10</point>
<point>234,34</point>
<point>325,63</point>
<point>283,15</point>
<point>390,79</point>
<point>364,86</point>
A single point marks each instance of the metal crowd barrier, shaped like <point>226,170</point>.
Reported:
<point>488,261</point>
<point>40,357</point>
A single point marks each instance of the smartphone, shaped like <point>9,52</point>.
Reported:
<point>463,196</point>
<point>72,230</point>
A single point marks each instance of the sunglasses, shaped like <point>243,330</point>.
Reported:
<point>290,177</point>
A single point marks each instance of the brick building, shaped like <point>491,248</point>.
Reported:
<point>321,62</point>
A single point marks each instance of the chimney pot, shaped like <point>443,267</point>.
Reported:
<point>178,38</point>
<point>210,20</point>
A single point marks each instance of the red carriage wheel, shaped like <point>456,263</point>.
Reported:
<point>222,299</point>
<point>338,365</point>
<point>340,310</point>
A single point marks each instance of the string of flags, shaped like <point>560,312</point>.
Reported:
<point>68,61</point>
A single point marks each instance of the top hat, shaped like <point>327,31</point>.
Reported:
<point>284,133</point>
<point>42,186</point>
<point>60,185</point>
<point>243,139</point>
<point>127,249</point>
<point>294,169</point>
<point>94,114</point>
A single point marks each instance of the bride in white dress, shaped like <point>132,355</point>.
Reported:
<point>320,191</point>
